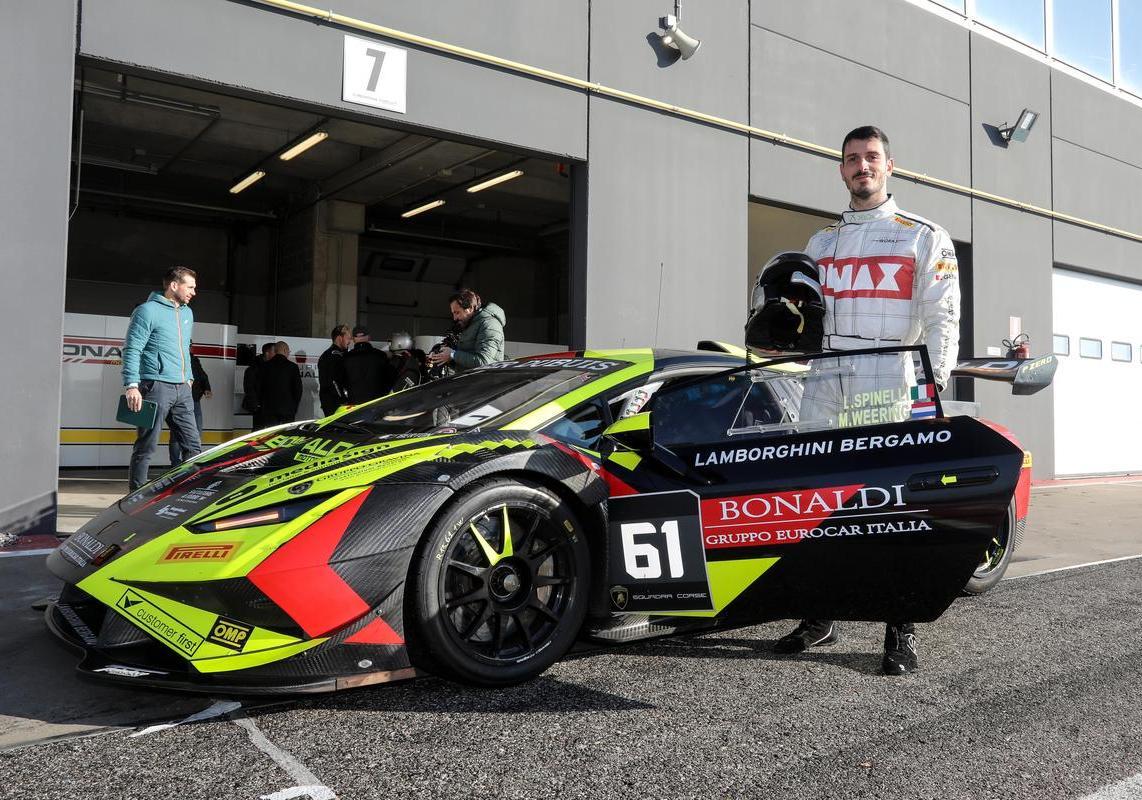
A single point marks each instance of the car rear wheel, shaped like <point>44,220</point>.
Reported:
<point>499,591</point>
<point>997,556</point>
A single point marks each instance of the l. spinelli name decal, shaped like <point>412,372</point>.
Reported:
<point>788,517</point>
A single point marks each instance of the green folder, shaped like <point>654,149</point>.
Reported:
<point>143,418</point>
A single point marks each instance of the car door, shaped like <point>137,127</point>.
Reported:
<point>805,490</point>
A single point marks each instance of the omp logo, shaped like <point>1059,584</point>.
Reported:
<point>98,350</point>
<point>229,633</point>
<point>218,551</point>
<point>882,277</point>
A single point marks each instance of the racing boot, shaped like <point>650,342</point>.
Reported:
<point>899,649</point>
<point>810,633</point>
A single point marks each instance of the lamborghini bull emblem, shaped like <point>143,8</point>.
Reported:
<point>619,596</point>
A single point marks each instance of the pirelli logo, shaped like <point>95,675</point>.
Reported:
<point>229,633</point>
<point>217,551</point>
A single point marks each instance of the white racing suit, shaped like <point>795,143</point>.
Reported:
<point>889,279</point>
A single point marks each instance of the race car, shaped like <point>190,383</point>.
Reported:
<point>478,526</point>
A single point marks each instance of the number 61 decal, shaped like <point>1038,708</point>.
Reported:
<point>641,557</point>
<point>655,558</point>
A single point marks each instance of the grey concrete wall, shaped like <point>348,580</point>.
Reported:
<point>36,70</point>
<point>284,55</point>
<point>666,218</point>
<point>820,68</point>
<point>1012,252</point>
<point>1012,249</point>
<point>1097,175</point>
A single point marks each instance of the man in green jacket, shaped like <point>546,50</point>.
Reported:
<point>157,367</point>
<point>481,338</point>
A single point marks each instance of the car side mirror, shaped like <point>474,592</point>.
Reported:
<point>630,433</point>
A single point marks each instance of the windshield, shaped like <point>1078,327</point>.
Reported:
<point>464,401</point>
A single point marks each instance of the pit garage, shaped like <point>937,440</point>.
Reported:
<point>774,228</point>
<point>295,221</point>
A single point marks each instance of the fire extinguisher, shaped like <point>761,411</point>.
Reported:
<point>1019,347</point>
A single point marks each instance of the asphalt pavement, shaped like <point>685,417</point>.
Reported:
<point>1030,691</point>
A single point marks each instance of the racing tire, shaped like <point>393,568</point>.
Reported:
<point>996,558</point>
<point>490,613</point>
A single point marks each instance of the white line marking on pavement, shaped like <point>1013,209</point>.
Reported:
<point>18,553</point>
<point>1082,484</point>
<point>313,792</point>
<point>308,783</point>
<point>1074,566</point>
<point>220,708</point>
<point>1126,789</point>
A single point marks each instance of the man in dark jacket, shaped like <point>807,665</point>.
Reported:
<point>199,388</point>
<point>251,384</point>
<point>481,339</point>
<point>368,369</point>
<point>279,387</point>
<point>333,386</point>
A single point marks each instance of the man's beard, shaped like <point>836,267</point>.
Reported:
<point>865,192</point>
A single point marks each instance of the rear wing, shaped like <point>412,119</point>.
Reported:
<point>1026,375</point>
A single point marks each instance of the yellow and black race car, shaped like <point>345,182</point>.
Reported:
<point>477,526</point>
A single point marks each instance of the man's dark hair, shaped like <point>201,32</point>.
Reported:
<point>465,298</point>
<point>867,132</point>
<point>340,330</point>
<point>267,347</point>
<point>178,275</point>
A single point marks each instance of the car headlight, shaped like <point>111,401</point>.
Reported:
<point>262,516</point>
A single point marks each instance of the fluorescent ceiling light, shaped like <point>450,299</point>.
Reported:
<point>421,209</point>
<point>507,176</point>
<point>303,145</point>
<point>248,181</point>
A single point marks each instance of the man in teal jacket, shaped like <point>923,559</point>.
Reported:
<point>481,338</point>
<point>156,367</point>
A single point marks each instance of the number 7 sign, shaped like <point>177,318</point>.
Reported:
<point>375,74</point>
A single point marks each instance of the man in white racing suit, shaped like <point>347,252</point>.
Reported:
<point>889,278</point>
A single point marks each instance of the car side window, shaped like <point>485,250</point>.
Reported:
<point>581,427</point>
<point>790,396</point>
<point>708,410</point>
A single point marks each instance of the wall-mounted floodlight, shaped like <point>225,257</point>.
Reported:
<point>675,37</point>
<point>1018,132</point>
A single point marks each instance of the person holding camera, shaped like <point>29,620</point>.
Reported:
<point>481,333</point>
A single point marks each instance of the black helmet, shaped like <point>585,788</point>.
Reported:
<point>787,310</point>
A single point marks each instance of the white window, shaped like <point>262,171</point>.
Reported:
<point>1121,351</point>
<point>1019,19</point>
<point>1082,36</point>
<point>1062,345</point>
<point>1090,348</point>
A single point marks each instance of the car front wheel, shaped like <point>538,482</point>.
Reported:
<point>499,590</point>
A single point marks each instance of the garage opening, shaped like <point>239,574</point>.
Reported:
<point>295,220</point>
<point>774,228</point>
